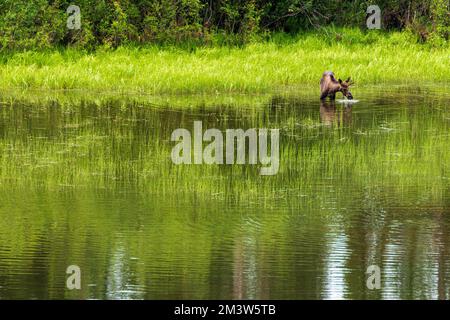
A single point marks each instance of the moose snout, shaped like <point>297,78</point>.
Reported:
<point>349,96</point>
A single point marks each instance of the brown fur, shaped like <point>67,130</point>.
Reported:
<point>329,86</point>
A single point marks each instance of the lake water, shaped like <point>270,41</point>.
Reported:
<point>88,180</point>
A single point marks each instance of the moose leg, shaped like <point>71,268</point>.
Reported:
<point>332,96</point>
<point>323,95</point>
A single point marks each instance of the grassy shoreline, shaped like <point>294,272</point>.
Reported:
<point>388,58</point>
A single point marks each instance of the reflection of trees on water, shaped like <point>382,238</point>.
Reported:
<point>246,276</point>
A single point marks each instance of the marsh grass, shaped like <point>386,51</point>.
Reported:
<point>115,143</point>
<point>279,62</point>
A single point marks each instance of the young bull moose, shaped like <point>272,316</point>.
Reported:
<point>329,86</point>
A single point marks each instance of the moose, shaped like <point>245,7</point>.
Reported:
<point>329,86</point>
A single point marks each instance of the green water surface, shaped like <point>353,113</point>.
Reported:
<point>88,180</point>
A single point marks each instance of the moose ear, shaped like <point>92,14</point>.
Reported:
<point>348,80</point>
<point>340,81</point>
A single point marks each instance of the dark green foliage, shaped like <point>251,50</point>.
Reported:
<point>42,23</point>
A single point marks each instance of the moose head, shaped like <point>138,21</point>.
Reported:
<point>344,88</point>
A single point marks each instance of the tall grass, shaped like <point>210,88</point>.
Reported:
<point>281,61</point>
<point>109,146</point>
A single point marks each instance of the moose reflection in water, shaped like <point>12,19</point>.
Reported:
<point>330,114</point>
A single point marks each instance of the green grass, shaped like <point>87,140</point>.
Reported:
<point>107,145</point>
<point>280,62</point>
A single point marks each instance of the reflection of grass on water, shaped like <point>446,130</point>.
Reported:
<point>72,98</point>
<point>101,189</point>
<point>110,146</point>
<point>299,62</point>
